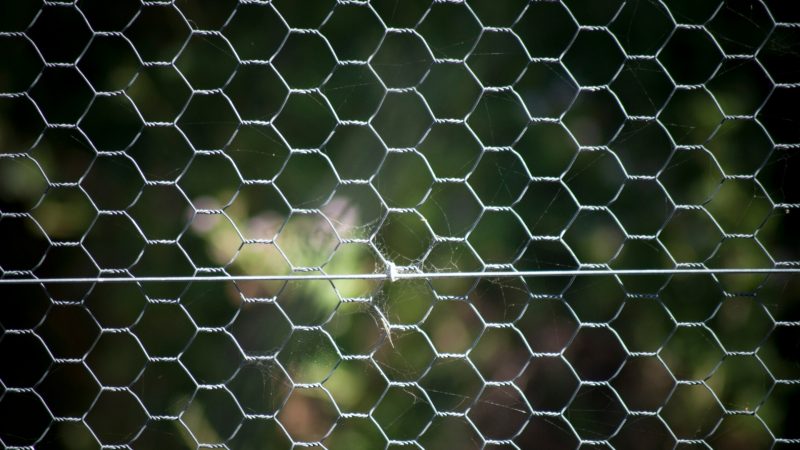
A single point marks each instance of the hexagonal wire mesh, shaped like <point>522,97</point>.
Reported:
<point>423,224</point>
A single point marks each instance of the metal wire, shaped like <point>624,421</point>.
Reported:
<point>407,275</point>
<point>382,224</point>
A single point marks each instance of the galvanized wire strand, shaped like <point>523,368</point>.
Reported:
<point>402,275</point>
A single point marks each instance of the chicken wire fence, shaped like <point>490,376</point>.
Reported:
<point>399,224</point>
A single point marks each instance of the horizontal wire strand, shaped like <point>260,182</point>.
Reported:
<point>396,276</point>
